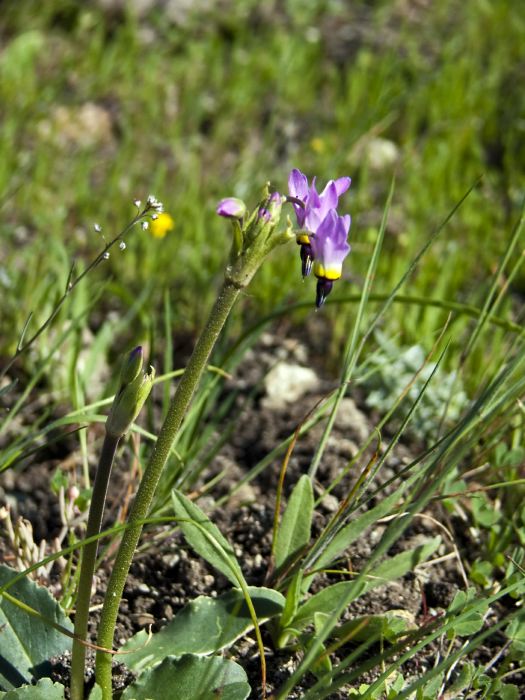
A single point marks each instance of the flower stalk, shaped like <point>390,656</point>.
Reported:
<point>133,391</point>
<point>250,245</point>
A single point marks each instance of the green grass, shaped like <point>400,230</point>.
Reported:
<point>212,108</point>
<point>217,105</point>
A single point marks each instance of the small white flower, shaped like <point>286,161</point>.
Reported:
<point>154,203</point>
<point>154,217</point>
<point>144,225</point>
<point>106,255</point>
<point>137,203</point>
<point>97,227</point>
<point>122,245</point>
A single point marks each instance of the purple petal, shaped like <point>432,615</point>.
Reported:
<point>329,245</point>
<point>328,199</point>
<point>342,184</point>
<point>298,184</point>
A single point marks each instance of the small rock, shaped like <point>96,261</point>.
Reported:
<point>209,580</point>
<point>330,503</point>
<point>350,418</point>
<point>287,383</point>
<point>170,559</point>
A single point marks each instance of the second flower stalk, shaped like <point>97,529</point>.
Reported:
<point>134,388</point>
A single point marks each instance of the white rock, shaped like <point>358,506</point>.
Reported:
<point>287,383</point>
<point>352,421</point>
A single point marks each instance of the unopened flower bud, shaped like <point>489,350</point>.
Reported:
<point>131,366</point>
<point>135,387</point>
<point>231,208</point>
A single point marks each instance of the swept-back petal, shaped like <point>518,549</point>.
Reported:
<point>298,184</point>
<point>329,245</point>
<point>342,184</point>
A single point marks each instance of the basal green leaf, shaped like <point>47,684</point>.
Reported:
<point>45,689</point>
<point>386,626</point>
<point>401,564</point>
<point>204,626</point>
<point>328,599</point>
<point>205,537</point>
<point>96,693</point>
<point>294,532</point>
<point>195,677</point>
<point>27,642</point>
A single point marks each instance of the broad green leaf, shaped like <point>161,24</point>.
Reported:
<point>96,693</point>
<point>28,642</point>
<point>204,626</point>
<point>195,677</point>
<point>294,531</point>
<point>515,631</point>
<point>467,622</point>
<point>206,538</point>
<point>483,512</point>
<point>507,691</point>
<point>45,689</point>
<point>328,599</point>
<point>431,689</point>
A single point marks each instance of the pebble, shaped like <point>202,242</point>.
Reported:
<point>286,383</point>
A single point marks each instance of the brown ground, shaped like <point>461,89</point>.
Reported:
<point>166,575</point>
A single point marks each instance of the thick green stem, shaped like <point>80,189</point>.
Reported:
<point>140,510</point>
<point>87,567</point>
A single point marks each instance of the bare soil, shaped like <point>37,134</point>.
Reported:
<point>166,574</point>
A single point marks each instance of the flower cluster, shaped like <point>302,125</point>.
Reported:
<point>323,233</point>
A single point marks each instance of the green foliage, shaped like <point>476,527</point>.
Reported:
<point>191,677</point>
<point>206,538</point>
<point>204,626</point>
<point>392,371</point>
<point>294,530</point>
<point>28,641</point>
<point>336,88</point>
<point>469,622</point>
<point>45,689</point>
<point>327,600</point>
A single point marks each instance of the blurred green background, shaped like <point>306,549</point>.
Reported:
<point>103,102</point>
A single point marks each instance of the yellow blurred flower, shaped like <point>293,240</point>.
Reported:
<point>318,144</point>
<point>160,226</point>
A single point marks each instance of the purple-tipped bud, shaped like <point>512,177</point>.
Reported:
<point>131,366</point>
<point>324,287</point>
<point>231,208</point>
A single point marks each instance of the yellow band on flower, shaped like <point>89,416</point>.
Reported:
<point>303,238</point>
<point>327,273</point>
